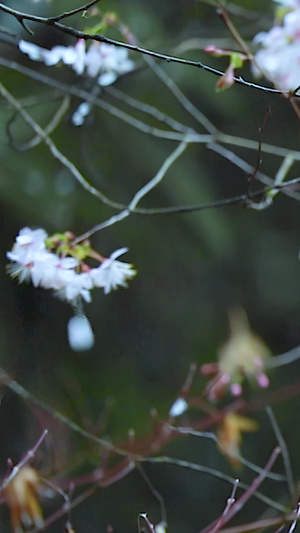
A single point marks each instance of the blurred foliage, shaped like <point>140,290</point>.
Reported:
<point>192,267</point>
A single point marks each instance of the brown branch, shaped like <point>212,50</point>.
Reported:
<point>21,17</point>
<point>239,504</point>
<point>74,11</point>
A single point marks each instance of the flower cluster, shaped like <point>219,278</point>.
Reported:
<point>230,435</point>
<point>55,263</point>
<point>106,61</point>
<point>21,495</point>
<point>278,58</point>
<point>244,355</point>
<point>288,3</point>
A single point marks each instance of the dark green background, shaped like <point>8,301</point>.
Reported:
<point>192,267</point>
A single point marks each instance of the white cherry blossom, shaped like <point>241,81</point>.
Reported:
<point>31,260</point>
<point>75,286</point>
<point>288,3</point>
<point>103,60</point>
<point>278,58</point>
<point>20,271</point>
<point>49,263</point>
<point>107,60</point>
<point>31,237</point>
<point>112,274</point>
<point>48,270</point>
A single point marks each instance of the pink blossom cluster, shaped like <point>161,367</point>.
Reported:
<point>223,381</point>
<point>68,277</point>
<point>278,58</point>
<point>243,356</point>
<point>106,61</point>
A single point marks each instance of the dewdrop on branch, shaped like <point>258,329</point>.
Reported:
<point>56,263</point>
<point>80,333</point>
<point>178,407</point>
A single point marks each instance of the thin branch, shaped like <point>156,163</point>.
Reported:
<point>54,122</point>
<point>259,158</point>
<point>259,525</point>
<point>156,494</point>
<point>239,162</point>
<point>66,508</point>
<point>106,224</point>
<point>21,17</point>
<point>55,151</point>
<point>95,192</point>
<point>34,100</point>
<point>251,491</point>
<point>284,451</point>
<point>106,106</point>
<point>149,110</point>
<point>229,504</point>
<point>169,161</point>
<point>74,11</point>
<point>150,526</point>
<point>238,505</point>
<point>31,399</point>
<point>219,137</point>
<point>243,461</point>
<point>180,96</point>
<point>233,31</point>
<point>215,473</point>
<point>282,172</point>
<point>158,177</point>
<point>27,457</point>
<point>248,169</point>
<point>294,523</point>
<point>285,359</point>
<point>250,144</point>
<point>240,199</point>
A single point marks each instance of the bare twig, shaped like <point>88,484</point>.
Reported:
<point>218,137</point>
<point>158,177</point>
<point>156,494</point>
<point>243,461</point>
<point>74,11</point>
<point>285,359</point>
<point>55,151</point>
<point>150,526</point>
<point>284,450</point>
<point>27,457</point>
<point>229,504</point>
<point>215,473</point>
<point>149,110</point>
<point>239,504</point>
<point>21,17</point>
<point>54,122</point>
<point>294,523</point>
<point>31,399</point>
<point>139,195</point>
<point>233,31</point>
<point>259,525</point>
